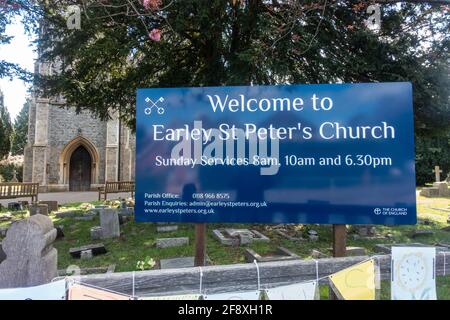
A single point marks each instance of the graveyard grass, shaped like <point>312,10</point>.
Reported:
<point>138,241</point>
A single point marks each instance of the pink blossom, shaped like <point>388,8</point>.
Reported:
<point>155,35</point>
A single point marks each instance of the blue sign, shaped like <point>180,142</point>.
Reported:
<point>332,154</point>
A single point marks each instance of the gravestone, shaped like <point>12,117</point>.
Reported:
<point>3,231</point>
<point>38,208</point>
<point>421,232</point>
<point>280,254</point>
<point>166,228</point>
<point>24,204</point>
<point>68,213</point>
<point>31,259</point>
<point>96,249</point>
<point>286,235</point>
<point>52,205</point>
<point>429,192</point>
<point>96,233</point>
<point>443,189</point>
<point>109,222</point>
<point>86,254</point>
<point>171,242</point>
<point>184,262</point>
<point>86,216</point>
<point>231,236</point>
<point>437,173</point>
<point>313,235</point>
<point>14,206</point>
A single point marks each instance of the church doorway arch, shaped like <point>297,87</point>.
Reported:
<point>79,165</point>
<point>80,170</point>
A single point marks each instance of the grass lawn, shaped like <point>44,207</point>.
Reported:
<point>138,241</point>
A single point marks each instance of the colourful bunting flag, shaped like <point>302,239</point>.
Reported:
<point>50,291</point>
<point>356,282</point>
<point>413,273</point>
<point>81,292</point>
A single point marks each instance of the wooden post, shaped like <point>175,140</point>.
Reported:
<point>339,240</point>
<point>339,247</point>
<point>200,244</point>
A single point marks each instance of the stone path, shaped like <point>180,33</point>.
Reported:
<point>68,197</point>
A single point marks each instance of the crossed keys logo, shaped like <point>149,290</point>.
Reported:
<point>153,104</point>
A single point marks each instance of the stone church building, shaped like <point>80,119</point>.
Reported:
<point>74,152</point>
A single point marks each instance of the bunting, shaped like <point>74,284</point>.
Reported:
<point>413,273</point>
<point>356,282</point>
<point>297,291</point>
<point>50,291</point>
<point>81,292</point>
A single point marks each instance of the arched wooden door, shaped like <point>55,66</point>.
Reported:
<point>80,170</point>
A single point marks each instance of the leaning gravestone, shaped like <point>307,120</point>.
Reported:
<point>109,222</point>
<point>31,259</point>
<point>39,209</point>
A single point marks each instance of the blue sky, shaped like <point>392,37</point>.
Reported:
<point>19,51</point>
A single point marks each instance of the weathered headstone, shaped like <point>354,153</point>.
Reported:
<point>171,242</point>
<point>14,206</point>
<point>421,232</point>
<point>87,216</point>
<point>184,262</point>
<point>86,254</point>
<point>39,208</point>
<point>52,205</point>
<point>23,203</point>
<point>443,189</point>
<point>313,235</point>
<point>109,221</point>
<point>68,213</point>
<point>231,236</point>
<point>3,231</point>
<point>429,192</point>
<point>286,235</point>
<point>280,254</point>
<point>96,233</point>
<point>166,228</point>
<point>31,259</point>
